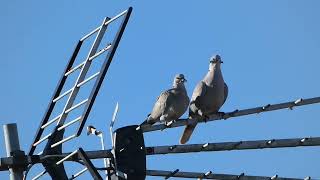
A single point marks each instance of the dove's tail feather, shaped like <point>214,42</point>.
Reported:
<point>188,130</point>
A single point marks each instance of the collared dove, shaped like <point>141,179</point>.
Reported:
<point>171,104</point>
<point>208,96</point>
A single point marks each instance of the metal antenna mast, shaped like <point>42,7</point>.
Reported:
<point>127,158</point>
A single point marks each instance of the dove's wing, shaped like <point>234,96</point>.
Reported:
<point>160,106</point>
<point>199,90</point>
<point>226,91</point>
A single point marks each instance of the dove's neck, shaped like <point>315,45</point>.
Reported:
<point>214,74</point>
<point>180,87</point>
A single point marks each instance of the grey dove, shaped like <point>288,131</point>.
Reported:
<point>208,96</point>
<point>171,104</point>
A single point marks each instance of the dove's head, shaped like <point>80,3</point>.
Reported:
<point>215,61</point>
<point>179,80</point>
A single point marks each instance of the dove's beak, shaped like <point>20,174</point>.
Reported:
<point>184,80</point>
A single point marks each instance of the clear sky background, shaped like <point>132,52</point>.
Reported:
<point>270,52</point>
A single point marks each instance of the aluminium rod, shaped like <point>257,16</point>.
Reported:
<point>239,145</point>
<point>211,175</point>
<point>222,146</point>
<point>206,147</point>
<point>79,173</point>
<point>63,140</point>
<point>62,95</point>
<point>75,106</point>
<point>88,79</point>
<point>51,121</point>
<point>70,123</point>
<point>39,175</point>
<point>235,113</point>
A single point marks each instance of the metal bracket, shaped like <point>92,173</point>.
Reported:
<point>93,171</point>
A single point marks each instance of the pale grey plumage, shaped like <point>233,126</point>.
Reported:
<point>171,104</point>
<point>208,96</point>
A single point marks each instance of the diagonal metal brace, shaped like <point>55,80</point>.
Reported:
<point>93,171</point>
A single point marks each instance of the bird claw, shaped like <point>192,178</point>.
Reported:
<point>206,118</point>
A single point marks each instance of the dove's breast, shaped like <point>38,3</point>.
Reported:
<point>213,98</point>
<point>179,106</point>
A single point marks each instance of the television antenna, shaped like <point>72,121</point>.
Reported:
<point>127,157</point>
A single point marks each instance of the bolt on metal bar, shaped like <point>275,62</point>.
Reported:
<point>70,123</point>
<point>100,52</point>
<point>41,140</point>
<point>79,173</point>
<point>51,121</point>
<point>76,106</point>
<point>88,79</point>
<point>63,140</point>
<point>67,157</point>
<point>181,174</point>
<point>239,145</point>
<point>62,95</point>
<point>39,175</point>
<point>235,113</point>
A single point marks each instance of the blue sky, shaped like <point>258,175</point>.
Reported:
<point>270,51</point>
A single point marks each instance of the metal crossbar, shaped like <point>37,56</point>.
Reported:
<point>51,121</point>
<point>235,113</point>
<point>75,106</point>
<point>41,140</point>
<point>63,140</point>
<point>62,95</point>
<point>79,173</point>
<point>69,123</point>
<point>210,175</point>
<point>80,81</point>
<point>239,145</point>
<point>88,79</point>
<point>39,175</point>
